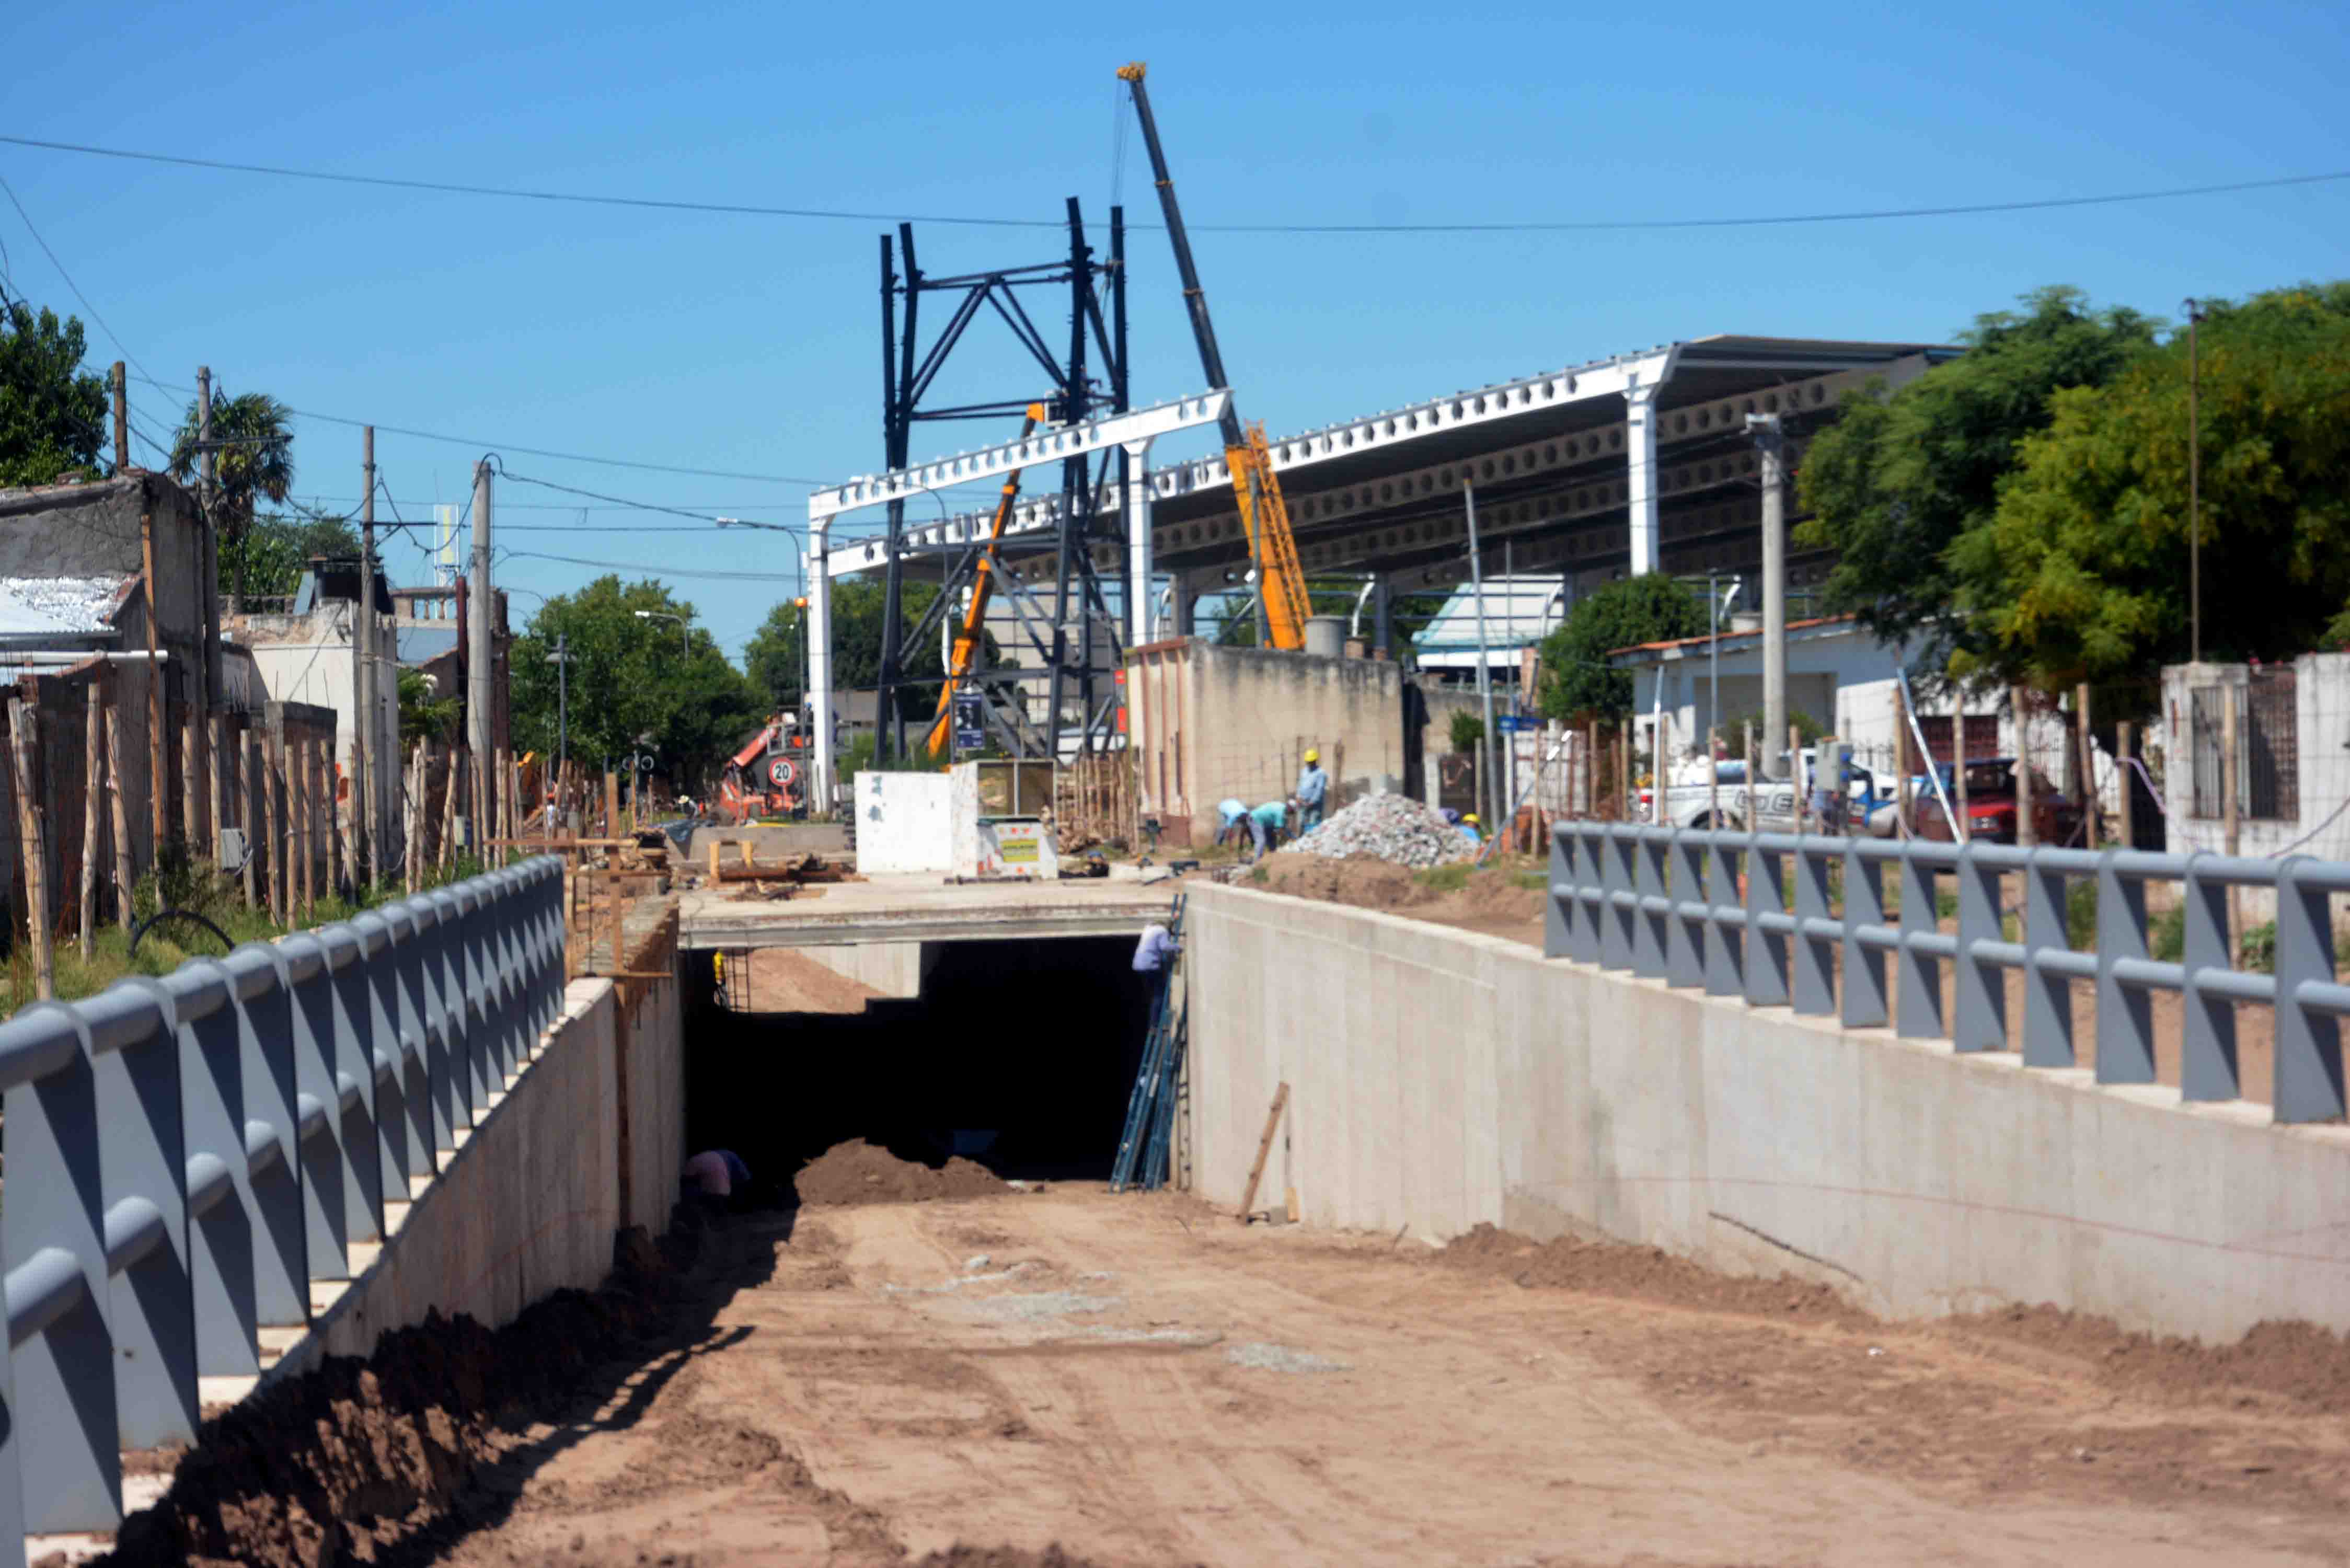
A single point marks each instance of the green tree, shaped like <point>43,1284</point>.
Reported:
<point>631,678</point>
<point>1899,479</point>
<point>1576,678</point>
<point>776,657</point>
<point>270,555</point>
<point>52,412</point>
<point>2082,573</point>
<point>253,440</point>
<point>424,711</point>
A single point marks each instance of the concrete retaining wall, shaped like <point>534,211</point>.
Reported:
<point>1439,1078</point>
<point>650,1048</point>
<point>893,968</point>
<point>526,1206</point>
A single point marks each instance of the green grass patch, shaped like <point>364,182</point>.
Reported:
<point>1443,878</point>
<point>182,882</point>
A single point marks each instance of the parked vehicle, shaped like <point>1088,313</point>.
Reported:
<point>1991,805</point>
<point>1768,803</point>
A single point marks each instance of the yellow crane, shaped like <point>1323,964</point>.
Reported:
<point>974,615</point>
<point>1280,581</point>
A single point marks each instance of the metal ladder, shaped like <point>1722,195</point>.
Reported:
<point>1150,1110</point>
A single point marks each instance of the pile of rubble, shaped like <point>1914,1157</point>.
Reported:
<point>1391,827</point>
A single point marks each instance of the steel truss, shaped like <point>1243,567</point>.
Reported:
<point>1081,644</point>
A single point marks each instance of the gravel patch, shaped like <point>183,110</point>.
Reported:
<point>1044,1304</point>
<point>1280,1358</point>
<point>1391,827</point>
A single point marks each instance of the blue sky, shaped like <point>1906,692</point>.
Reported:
<point>751,344</point>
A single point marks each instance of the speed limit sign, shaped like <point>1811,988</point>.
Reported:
<point>782,772</point>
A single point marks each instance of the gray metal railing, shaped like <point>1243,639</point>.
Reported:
<point>1706,910</point>
<point>185,1155</point>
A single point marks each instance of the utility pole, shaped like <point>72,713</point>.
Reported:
<point>1484,671</point>
<point>479,657</point>
<point>365,764</point>
<point>1768,439</point>
<point>121,420</point>
<point>2194,488</point>
<point>207,490</point>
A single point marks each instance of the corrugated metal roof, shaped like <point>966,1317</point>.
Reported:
<point>1518,610</point>
<point>58,607</point>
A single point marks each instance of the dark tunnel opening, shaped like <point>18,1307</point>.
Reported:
<point>1020,1054</point>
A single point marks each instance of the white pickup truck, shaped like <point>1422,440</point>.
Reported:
<point>1766,804</point>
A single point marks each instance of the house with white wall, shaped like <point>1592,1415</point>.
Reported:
<point>1838,675</point>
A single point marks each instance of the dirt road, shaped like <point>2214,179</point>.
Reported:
<point>1145,1383</point>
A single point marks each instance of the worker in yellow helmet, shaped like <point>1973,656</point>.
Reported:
<point>1471,831</point>
<point>1312,790</point>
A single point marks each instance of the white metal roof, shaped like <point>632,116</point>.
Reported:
<point>58,607</point>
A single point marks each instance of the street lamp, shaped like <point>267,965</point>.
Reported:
<point>685,633</point>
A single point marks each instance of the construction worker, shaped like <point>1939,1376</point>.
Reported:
<point>1156,947</point>
<point>1470,830</point>
<point>1312,789</point>
<point>1234,813</point>
<point>1265,823</point>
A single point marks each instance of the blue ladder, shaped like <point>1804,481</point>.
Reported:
<point>1154,1084</point>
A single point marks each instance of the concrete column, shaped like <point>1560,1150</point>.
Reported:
<point>1383,614</point>
<point>1141,624</point>
<point>1640,477</point>
<point>1186,605</point>
<point>819,657</point>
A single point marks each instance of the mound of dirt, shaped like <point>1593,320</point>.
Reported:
<point>357,1456</point>
<point>1651,1273</point>
<point>859,1172</point>
<point>2304,1362</point>
<point>1492,898</point>
<point>1366,884</point>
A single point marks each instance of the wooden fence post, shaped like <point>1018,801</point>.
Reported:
<point>191,826</point>
<point>273,772</point>
<point>93,757</point>
<point>119,807</point>
<point>23,733</point>
<point>250,785</point>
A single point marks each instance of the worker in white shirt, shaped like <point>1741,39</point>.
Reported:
<point>1157,947</point>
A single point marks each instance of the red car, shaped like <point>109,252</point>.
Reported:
<point>1990,805</point>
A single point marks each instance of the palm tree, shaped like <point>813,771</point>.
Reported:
<point>253,440</point>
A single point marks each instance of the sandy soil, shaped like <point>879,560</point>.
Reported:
<point>783,979</point>
<point>1143,1382</point>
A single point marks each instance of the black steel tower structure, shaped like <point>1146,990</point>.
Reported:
<point>1079,639</point>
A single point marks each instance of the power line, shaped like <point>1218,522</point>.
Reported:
<point>517,193</point>
<point>70,283</point>
<point>658,571</point>
<point>482,443</point>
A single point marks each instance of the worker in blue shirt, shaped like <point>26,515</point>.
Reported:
<point>1471,831</point>
<point>1235,815</point>
<point>1265,823</point>
<point>1312,789</point>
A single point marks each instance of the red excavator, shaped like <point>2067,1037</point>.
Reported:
<point>768,777</point>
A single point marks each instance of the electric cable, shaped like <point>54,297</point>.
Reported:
<point>657,571</point>
<point>70,283</point>
<point>1504,226</point>
<point>530,451</point>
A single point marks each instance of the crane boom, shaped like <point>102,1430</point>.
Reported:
<point>1281,583</point>
<point>983,586</point>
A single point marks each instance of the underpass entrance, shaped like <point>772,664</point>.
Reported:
<point>1019,1055</point>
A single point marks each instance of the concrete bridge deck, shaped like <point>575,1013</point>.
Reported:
<point>927,908</point>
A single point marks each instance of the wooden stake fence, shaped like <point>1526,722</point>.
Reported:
<point>93,753</point>
<point>23,728</point>
<point>118,806</point>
